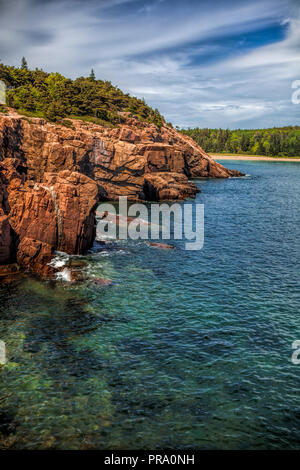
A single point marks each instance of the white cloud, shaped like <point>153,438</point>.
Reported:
<point>173,54</point>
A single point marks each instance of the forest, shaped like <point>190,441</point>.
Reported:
<point>54,97</point>
<point>276,141</point>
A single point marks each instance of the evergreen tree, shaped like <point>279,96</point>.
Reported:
<point>55,97</point>
<point>24,64</point>
<point>278,141</point>
<point>92,75</point>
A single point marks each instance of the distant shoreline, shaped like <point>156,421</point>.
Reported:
<point>221,156</point>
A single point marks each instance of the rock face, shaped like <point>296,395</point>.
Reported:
<point>168,186</point>
<point>120,160</point>
<point>52,177</point>
<point>55,214</point>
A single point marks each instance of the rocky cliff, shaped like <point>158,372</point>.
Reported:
<point>52,177</point>
<point>37,219</point>
<point>120,159</point>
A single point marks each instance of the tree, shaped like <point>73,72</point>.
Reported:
<point>24,64</point>
<point>92,75</point>
<point>53,96</point>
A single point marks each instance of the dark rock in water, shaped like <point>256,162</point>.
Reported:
<point>77,263</point>
<point>7,430</point>
<point>9,269</point>
<point>77,276</point>
<point>7,279</point>
<point>100,245</point>
<point>101,281</point>
<point>9,273</point>
<point>102,242</point>
<point>163,246</point>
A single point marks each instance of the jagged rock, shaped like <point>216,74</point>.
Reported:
<point>36,256</point>
<point>52,177</point>
<point>56,214</point>
<point>168,186</point>
<point>117,159</point>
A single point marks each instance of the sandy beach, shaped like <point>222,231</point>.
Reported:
<point>254,157</point>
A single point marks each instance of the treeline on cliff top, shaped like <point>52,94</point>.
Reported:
<point>54,97</point>
<point>278,141</point>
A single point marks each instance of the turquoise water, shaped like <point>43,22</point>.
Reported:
<point>186,349</point>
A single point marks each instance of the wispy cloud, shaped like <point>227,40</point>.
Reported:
<point>201,63</point>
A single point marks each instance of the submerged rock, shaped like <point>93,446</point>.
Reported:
<point>77,263</point>
<point>163,246</point>
<point>102,281</point>
<point>9,269</point>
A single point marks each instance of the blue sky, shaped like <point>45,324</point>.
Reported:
<point>201,63</point>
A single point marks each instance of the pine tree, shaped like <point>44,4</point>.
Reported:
<point>92,75</point>
<point>24,64</point>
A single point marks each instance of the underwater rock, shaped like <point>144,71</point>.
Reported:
<point>76,276</point>
<point>102,281</point>
<point>163,246</point>
<point>9,269</point>
<point>77,263</point>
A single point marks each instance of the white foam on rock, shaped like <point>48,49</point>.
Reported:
<point>64,275</point>
<point>60,260</point>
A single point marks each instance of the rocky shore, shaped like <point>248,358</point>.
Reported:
<point>52,178</point>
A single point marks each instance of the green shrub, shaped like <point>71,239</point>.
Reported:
<point>3,109</point>
<point>67,123</point>
<point>54,97</point>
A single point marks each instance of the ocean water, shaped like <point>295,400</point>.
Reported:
<point>186,349</point>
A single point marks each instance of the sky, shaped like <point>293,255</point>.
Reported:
<point>212,63</point>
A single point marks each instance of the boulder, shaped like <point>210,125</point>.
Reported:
<point>168,186</point>
<point>56,214</point>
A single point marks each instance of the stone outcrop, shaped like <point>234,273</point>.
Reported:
<point>168,186</point>
<point>118,159</point>
<point>52,177</point>
<point>41,218</point>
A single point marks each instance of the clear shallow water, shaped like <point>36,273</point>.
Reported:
<point>185,350</point>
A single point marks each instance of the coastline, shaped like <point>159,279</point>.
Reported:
<point>218,156</point>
